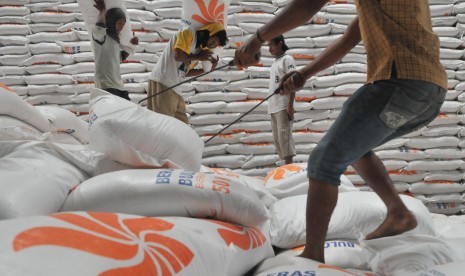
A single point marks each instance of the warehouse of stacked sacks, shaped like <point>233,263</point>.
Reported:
<point>46,58</point>
<point>53,223</point>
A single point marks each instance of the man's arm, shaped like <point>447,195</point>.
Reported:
<point>100,6</point>
<point>332,54</point>
<point>180,55</point>
<point>296,13</point>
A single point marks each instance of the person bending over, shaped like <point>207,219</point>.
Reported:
<point>178,61</point>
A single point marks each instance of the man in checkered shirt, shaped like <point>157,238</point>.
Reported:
<point>406,86</point>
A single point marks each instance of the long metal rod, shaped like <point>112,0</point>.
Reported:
<point>231,63</point>
<point>269,96</point>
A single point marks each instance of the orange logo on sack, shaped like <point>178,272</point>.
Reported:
<point>107,235</point>
<point>212,14</point>
<point>243,237</point>
<point>280,172</point>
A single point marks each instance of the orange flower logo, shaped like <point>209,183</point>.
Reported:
<point>212,14</point>
<point>280,172</point>
<point>242,237</point>
<point>115,239</point>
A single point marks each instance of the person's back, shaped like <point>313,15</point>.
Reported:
<point>107,60</point>
<point>177,62</point>
<point>168,70</point>
<point>399,33</point>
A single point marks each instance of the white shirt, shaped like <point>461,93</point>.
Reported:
<point>281,66</point>
<point>107,55</point>
<point>168,71</point>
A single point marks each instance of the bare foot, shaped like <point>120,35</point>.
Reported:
<point>394,224</point>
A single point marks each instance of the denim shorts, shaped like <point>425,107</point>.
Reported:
<point>375,114</point>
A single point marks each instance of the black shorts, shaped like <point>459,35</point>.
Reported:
<point>121,93</point>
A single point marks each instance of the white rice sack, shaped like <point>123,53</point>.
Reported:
<point>75,46</point>
<point>356,214</point>
<point>44,48</point>
<point>14,60</point>
<point>215,150</point>
<point>224,138</point>
<point>90,14</point>
<point>12,129</point>
<point>436,187</point>
<point>14,50</point>
<point>432,142</point>
<point>434,165</point>
<point>253,148</point>
<point>247,246</point>
<point>136,136</point>
<point>26,189</point>
<point>400,255</point>
<point>157,192</point>
<point>451,130</point>
<point>43,69</point>
<point>65,121</point>
<point>225,161</point>
<point>289,265</point>
<point>448,269</point>
<point>402,175</point>
<point>402,153</point>
<point>215,118</point>
<point>105,243</point>
<point>260,161</point>
<point>52,37</point>
<point>449,208</point>
<point>51,17</point>
<point>12,105</point>
<point>444,176</point>
<point>254,183</point>
<point>340,253</point>
<point>328,103</point>
<point>44,79</point>
<point>291,180</point>
<point>440,198</point>
<point>224,75</point>
<point>262,137</point>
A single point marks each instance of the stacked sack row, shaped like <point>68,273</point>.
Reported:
<point>117,204</point>
<point>51,42</point>
<point>120,205</point>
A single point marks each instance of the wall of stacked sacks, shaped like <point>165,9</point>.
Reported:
<point>45,57</point>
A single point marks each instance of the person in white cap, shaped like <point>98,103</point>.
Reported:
<point>281,107</point>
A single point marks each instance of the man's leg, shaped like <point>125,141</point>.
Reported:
<point>275,131</point>
<point>399,219</point>
<point>288,159</point>
<point>181,109</point>
<point>164,103</point>
<point>285,140</point>
<point>321,201</point>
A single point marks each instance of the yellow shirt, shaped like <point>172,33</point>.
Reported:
<point>400,31</point>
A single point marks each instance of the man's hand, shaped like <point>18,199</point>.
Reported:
<point>290,112</point>
<point>203,55</point>
<point>291,82</point>
<point>134,40</point>
<point>214,62</point>
<point>246,54</point>
<point>100,5</point>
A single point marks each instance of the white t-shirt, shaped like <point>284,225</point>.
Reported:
<point>281,66</point>
<point>107,55</point>
<point>168,71</point>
